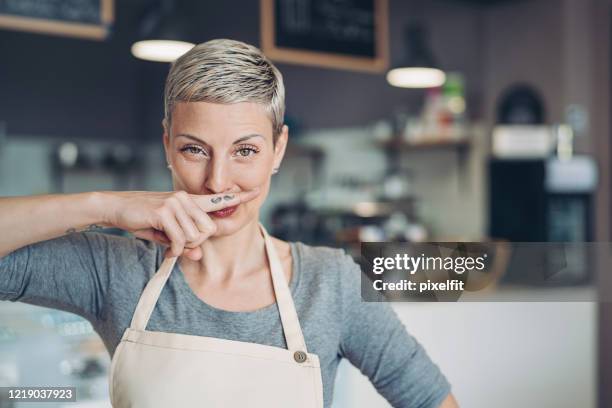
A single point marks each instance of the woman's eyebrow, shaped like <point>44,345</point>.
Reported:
<point>243,138</point>
<point>192,138</point>
<point>240,139</point>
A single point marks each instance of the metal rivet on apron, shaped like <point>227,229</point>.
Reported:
<point>299,356</point>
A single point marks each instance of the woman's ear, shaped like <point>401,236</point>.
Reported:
<point>281,146</point>
<point>166,140</point>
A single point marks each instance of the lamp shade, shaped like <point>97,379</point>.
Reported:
<point>163,34</point>
<point>418,69</point>
<point>160,50</point>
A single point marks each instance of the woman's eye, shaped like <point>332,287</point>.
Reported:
<point>246,151</point>
<point>192,150</point>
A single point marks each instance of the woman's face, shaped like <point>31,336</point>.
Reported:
<point>217,148</point>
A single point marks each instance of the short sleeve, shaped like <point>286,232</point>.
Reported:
<point>69,273</point>
<point>376,342</point>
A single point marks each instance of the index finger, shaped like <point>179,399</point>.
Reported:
<point>214,202</point>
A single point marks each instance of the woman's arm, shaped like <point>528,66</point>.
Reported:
<point>174,218</point>
<point>45,258</point>
<point>30,219</point>
<point>449,402</point>
<point>375,341</point>
<point>72,272</point>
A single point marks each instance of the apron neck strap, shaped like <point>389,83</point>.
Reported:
<point>289,318</point>
<point>150,294</point>
<point>284,300</point>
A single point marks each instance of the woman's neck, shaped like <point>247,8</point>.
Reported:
<point>229,257</point>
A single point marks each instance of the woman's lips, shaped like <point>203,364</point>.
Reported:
<point>225,212</point>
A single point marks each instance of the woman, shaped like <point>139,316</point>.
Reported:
<point>201,306</point>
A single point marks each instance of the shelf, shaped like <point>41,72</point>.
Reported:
<point>368,209</point>
<point>433,144</point>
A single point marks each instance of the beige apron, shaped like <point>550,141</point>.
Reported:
<point>153,369</point>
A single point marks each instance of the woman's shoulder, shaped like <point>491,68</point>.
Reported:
<point>122,249</point>
<point>329,272</point>
<point>323,259</point>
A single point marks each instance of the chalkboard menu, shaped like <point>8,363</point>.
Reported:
<point>75,18</point>
<point>346,34</point>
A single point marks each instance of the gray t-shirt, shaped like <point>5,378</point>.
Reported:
<point>101,276</point>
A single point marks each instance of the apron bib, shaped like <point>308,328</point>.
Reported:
<point>152,369</point>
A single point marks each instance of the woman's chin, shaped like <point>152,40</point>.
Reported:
<point>228,225</point>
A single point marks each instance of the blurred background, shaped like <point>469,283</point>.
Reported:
<point>410,121</point>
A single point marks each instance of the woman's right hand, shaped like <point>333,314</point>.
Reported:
<point>176,219</point>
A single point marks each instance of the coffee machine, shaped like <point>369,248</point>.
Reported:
<point>545,200</point>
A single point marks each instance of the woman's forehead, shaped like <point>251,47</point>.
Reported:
<point>217,119</point>
<point>240,111</point>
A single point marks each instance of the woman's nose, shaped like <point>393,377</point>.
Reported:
<point>217,176</point>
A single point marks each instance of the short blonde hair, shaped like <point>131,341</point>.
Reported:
<point>226,71</point>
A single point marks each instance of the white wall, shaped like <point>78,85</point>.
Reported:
<point>502,355</point>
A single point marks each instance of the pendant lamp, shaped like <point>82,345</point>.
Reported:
<point>163,35</point>
<point>419,68</point>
